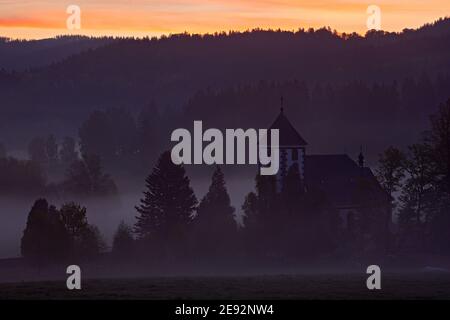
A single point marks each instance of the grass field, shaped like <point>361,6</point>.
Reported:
<point>420,285</point>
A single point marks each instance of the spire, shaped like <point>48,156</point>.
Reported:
<point>281,104</point>
<point>288,136</point>
<point>361,158</point>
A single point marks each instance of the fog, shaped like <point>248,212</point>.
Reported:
<point>106,214</point>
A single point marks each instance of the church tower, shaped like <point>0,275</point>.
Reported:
<point>292,147</point>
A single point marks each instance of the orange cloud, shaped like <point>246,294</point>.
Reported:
<point>140,17</point>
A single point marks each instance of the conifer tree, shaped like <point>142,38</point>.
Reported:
<point>253,225</point>
<point>168,204</point>
<point>266,192</point>
<point>250,208</point>
<point>216,226</point>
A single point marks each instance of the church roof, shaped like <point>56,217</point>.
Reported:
<point>343,181</point>
<point>288,135</point>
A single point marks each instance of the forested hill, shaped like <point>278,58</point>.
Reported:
<point>20,55</point>
<point>171,71</point>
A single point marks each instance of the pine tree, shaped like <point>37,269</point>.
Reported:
<point>253,225</point>
<point>250,208</point>
<point>168,204</point>
<point>216,226</point>
<point>261,237</point>
<point>266,191</point>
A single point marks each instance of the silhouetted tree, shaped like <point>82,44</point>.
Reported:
<point>167,207</point>
<point>425,199</point>
<point>266,190</point>
<point>438,139</point>
<point>60,245</point>
<point>417,194</point>
<point>85,177</point>
<point>215,224</point>
<point>288,221</point>
<point>391,170</point>
<point>253,225</point>
<point>86,240</point>
<point>44,239</point>
<point>74,219</point>
<point>260,221</point>
<point>250,208</point>
<point>91,243</point>
<point>123,242</point>
<point>34,244</point>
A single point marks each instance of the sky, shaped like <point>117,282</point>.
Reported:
<point>25,19</point>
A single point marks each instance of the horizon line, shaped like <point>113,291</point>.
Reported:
<point>160,36</point>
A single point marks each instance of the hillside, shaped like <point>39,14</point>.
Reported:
<point>174,71</point>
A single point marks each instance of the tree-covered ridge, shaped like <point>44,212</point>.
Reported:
<point>131,73</point>
<point>60,47</point>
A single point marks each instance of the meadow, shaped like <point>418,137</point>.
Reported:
<point>408,285</point>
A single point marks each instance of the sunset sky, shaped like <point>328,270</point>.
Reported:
<point>47,18</point>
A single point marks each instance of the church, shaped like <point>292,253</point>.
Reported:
<point>350,188</point>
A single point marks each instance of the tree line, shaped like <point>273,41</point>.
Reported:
<point>55,235</point>
<point>172,70</point>
<point>54,170</point>
<point>127,143</point>
<point>418,179</point>
<point>171,223</point>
